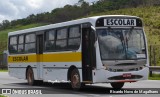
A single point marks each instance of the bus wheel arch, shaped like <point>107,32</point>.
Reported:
<point>74,76</point>
<point>30,76</point>
<point>117,85</point>
<point>27,70</point>
<point>71,68</point>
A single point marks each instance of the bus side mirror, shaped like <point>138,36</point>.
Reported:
<point>94,32</point>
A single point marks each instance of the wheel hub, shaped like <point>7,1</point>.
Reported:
<point>75,80</point>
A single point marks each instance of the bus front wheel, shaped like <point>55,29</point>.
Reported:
<point>30,77</point>
<point>117,85</point>
<point>75,80</point>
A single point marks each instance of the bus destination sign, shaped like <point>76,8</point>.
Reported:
<point>119,22</point>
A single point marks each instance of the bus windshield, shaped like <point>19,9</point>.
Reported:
<point>122,44</point>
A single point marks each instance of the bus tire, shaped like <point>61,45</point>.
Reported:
<point>117,85</point>
<point>83,85</point>
<point>30,77</point>
<point>75,80</point>
<point>38,82</point>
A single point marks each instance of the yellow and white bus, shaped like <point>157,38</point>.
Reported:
<point>101,49</point>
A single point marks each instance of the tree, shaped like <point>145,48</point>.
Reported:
<point>5,24</point>
<point>80,2</point>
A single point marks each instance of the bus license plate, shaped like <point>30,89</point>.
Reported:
<point>127,75</point>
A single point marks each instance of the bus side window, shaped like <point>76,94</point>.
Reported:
<point>74,38</point>
<point>61,42</point>
<point>30,43</point>
<point>13,44</point>
<point>50,40</point>
<point>21,44</point>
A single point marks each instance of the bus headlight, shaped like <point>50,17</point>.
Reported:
<point>140,68</point>
<point>105,67</point>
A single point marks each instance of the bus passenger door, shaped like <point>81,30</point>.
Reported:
<point>39,52</point>
<point>88,53</point>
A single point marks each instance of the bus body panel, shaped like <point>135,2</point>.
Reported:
<point>101,76</point>
<point>19,69</point>
<point>52,65</point>
<point>50,72</point>
<point>98,57</point>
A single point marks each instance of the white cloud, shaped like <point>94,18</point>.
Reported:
<point>16,9</point>
<point>35,3</point>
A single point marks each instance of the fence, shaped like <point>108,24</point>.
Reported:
<point>154,57</point>
<point>3,46</point>
<point>3,56</point>
<point>3,61</point>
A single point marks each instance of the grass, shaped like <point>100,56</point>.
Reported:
<point>3,96</point>
<point>154,77</point>
<point>3,70</point>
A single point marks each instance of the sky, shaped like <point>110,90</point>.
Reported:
<point>18,9</point>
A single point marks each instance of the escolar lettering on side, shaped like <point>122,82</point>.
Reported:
<point>22,58</point>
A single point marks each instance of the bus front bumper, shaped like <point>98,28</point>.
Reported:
<point>105,76</point>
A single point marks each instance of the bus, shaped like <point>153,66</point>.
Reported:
<point>100,49</point>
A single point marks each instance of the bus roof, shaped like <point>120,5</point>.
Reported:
<point>92,20</point>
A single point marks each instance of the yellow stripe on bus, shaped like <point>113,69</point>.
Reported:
<point>61,57</point>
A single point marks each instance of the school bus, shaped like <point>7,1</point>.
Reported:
<point>100,49</point>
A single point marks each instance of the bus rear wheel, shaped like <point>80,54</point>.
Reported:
<point>30,77</point>
<point>117,85</point>
<point>75,80</point>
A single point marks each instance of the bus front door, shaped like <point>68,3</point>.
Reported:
<point>39,51</point>
<point>88,54</point>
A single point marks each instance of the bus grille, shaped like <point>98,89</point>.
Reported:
<point>120,69</point>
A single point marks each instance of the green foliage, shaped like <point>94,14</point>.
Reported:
<point>154,77</point>
<point>3,96</point>
<point>3,70</point>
